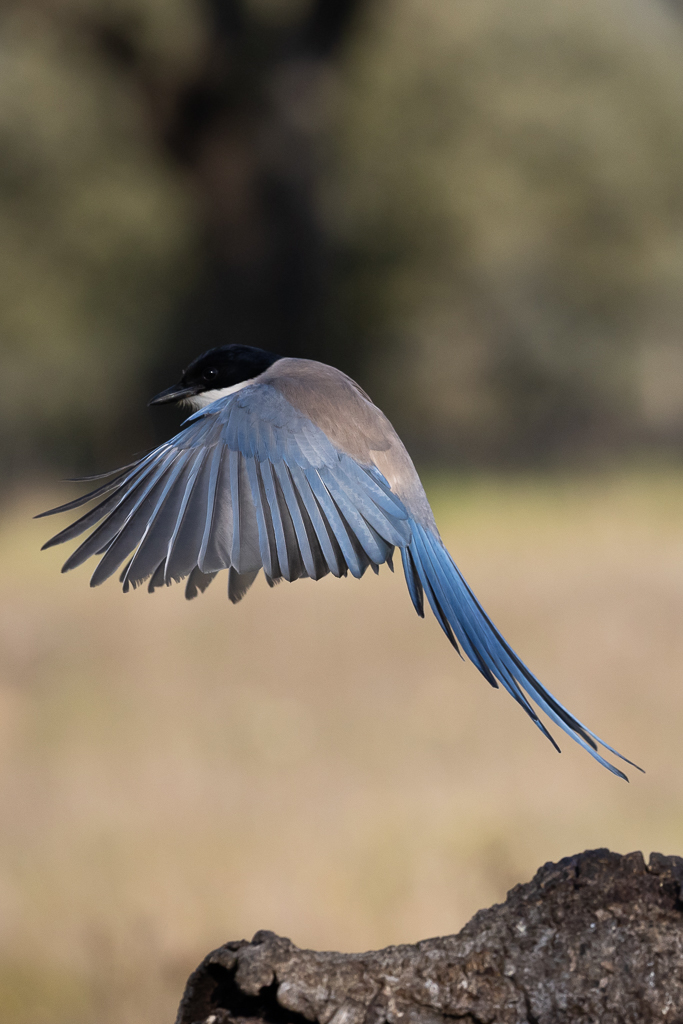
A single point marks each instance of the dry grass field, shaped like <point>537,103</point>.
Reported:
<point>317,760</point>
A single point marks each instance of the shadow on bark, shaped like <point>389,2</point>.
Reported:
<point>595,938</point>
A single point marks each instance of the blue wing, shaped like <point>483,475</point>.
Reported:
<point>248,483</point>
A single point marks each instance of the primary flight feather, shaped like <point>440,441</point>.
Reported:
<point>287,465</point>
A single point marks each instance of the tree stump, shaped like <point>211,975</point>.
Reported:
<point>594,939</point>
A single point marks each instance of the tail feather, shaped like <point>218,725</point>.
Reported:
<point>475,640</point>
<point>413,582</point>
<point>430,569</point>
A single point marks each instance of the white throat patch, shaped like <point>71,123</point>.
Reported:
<point>197,402</point>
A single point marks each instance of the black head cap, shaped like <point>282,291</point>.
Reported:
<point>216,369</point>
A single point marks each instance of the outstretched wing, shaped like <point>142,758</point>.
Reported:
<point>249,483</point>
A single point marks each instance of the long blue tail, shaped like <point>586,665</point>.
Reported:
<point>430,570</point>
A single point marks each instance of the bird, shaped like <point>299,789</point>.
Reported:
<point>286,465</point>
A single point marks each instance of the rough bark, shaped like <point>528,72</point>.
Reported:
<point>595,938</point>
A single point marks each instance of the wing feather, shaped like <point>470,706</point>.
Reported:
<point>197,582</point>
<point>367,481</point>
<point>266,532</point>
<point>310,563</point>
<point>392,528</point>
<point>138,526</point>
<point>353,518</point>
<point>294,561</point>
<point>184,545</point>
<point>320,566</point>
<point>271,494</point>
<point>156,579</point>
<point>246,554</point>
<point>239,583</point>
<point>217,541</point>
<point>329,545</point>
<point>337,524</point>
<point>77,502</point>
<point>141,494</point>
<point>152,548</point>
<point>123,490</point>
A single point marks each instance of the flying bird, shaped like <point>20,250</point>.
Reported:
<point>287,465</point>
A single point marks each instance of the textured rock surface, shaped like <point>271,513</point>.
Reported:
<point>597,938</point>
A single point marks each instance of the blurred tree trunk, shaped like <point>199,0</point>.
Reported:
<point>246,127</point>
<point>597,937</point>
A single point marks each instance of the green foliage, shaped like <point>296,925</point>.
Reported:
<point>503,179</point>
<point>94,233</point>
<point>510,181</point>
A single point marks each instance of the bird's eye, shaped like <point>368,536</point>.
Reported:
<point>210,374</point>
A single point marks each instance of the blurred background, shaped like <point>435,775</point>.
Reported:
<point>476,209</point>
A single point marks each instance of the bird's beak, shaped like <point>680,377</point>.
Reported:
<point>175,393</point>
